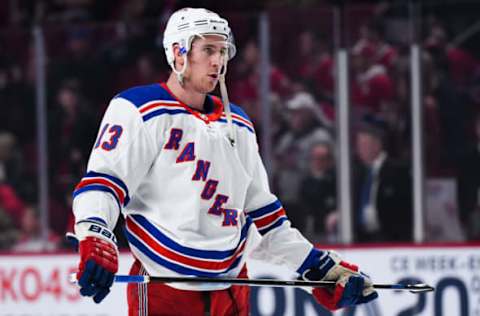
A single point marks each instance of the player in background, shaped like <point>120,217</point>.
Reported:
<point>183,167</point>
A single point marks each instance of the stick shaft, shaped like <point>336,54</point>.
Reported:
<point>250,282</point>
<point>258,282</point>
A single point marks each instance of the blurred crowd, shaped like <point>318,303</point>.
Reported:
<point>95,49</point>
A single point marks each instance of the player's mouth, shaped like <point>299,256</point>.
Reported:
<point>214,76</point>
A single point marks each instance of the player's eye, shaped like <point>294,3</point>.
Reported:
<point>209,50</point>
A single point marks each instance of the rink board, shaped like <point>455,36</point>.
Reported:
<point>37,284</point>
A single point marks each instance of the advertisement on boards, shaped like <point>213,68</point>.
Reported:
<point>38,285</point>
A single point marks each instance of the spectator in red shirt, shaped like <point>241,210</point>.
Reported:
<point>372,87</point>
<point>311,63</point>
<point>30,239</point>
<point>247,80</point>
<point>11,211</point>
<point>371,34</point>
<point>11,204</point>
<point>462,66</point>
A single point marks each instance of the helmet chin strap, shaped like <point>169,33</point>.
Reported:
<point>226,102</point>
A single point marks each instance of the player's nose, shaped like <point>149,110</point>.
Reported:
<point>216,61</point>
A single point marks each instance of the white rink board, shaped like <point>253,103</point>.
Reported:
<point>453,271</point>
<point>37,284</point>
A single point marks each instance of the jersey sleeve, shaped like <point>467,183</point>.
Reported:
<point>281,243</point>
<point>121,156</point>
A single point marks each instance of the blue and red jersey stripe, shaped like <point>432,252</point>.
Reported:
<point>158,107</point>
<point>153,243</point>
<point>161,107</point>
<point>239,121</point>
<point>96,181</point>
<point>269,217</point>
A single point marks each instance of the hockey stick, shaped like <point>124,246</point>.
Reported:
<point>413,288</point>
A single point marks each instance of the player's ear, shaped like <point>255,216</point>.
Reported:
<point>179,56</point>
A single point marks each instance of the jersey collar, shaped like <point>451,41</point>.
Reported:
<point>215,111</point>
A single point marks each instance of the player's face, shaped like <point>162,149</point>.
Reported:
<point>205,61</point>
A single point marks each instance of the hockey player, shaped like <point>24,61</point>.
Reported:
<point>184,169</point>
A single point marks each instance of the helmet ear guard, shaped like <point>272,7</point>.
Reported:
<point>180,74</point>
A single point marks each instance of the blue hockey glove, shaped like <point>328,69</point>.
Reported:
<point>352,287</point>
<point>98,258</point>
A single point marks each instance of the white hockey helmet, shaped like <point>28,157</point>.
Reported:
<point>184,24</point>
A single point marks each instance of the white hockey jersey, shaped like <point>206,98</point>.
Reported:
<point>190,199</point>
